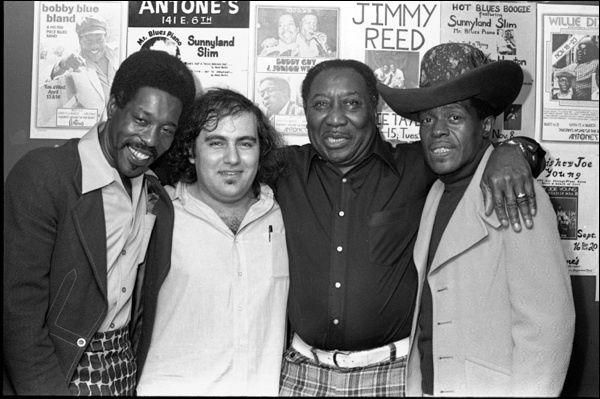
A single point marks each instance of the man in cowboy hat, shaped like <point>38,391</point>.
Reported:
<point>494,312</point>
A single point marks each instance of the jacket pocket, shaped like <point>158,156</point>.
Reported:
<point>486,379</point>
<point>55,313</point>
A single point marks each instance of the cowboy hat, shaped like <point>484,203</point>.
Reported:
<point>453,72</point>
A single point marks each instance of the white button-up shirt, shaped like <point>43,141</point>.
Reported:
<point>221,313</point>
<point>128,227</point>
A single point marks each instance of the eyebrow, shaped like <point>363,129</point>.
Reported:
<point>225,138</point>
<point>150,115</point>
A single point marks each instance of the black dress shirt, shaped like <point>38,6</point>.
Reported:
<point>350,242</point>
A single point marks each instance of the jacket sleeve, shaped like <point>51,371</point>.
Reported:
<point>543,321</point>
<point>30,226</point>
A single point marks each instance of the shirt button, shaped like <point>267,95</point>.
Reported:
<point>81,342</point>
<point>338,285</point>
<point>123,252</point>
<point>112,325</point>
<point>240,274</point>
<point>339,249</point>
<point>123,289</point>
<point>344,180</point>
<point>336,321</point>
<point>341,213</point>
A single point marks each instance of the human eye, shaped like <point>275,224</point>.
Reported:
<point>319,104</point>
<point>425,119</point>
<point>247,144</point>
<point>352,103</point>
<point>168,131</point>
<point>216,143</point>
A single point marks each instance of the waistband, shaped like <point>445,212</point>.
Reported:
<point>347,359</point>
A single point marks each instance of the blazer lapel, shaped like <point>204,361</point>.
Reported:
<point>91,227</point>
<point>468,224</point>
<point>160,243</point>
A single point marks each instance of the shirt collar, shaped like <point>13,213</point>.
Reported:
<point>379,148</point>
<point>181,192</point>
<point>96,172</point>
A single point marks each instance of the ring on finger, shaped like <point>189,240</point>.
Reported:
<point>521,195</point>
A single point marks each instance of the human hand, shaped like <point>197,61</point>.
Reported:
<point>507,186</point>
<point>73,61</point>
<point>269,42</point>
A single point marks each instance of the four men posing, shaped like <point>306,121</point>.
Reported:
<point>350,203</point>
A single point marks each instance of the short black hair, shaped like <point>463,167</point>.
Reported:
<point>156,69</point>
<point>208,111</point>
<point>362,69</point>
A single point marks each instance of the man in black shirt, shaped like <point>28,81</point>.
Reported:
<point>351,209</point>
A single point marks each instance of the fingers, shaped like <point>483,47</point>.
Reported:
<point>501,211</point>
<point>488,201</point>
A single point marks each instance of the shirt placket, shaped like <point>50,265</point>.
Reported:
<point>338,265</point>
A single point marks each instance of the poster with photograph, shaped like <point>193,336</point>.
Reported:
<point>503,31</point>
<point>77,48</point>
<point>392,37</point>
<point>210,37</point>
<point>289,41</point>
<point>571,181</point>
<point>568,70</point>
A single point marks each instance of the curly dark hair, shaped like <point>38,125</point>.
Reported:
<point>157,69</point>
<point>362,69</point>
<point>211,108</point>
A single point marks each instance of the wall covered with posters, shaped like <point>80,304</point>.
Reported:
<point>264,48</point>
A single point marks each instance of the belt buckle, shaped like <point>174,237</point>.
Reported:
<point>337,352</point>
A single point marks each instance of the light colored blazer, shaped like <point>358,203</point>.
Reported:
<point>503,313</point>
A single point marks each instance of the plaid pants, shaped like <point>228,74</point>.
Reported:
<point>302,376</point>
<point>107,367</point>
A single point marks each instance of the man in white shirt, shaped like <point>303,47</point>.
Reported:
<point>221,312</point>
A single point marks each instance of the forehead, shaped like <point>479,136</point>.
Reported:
<point>342,79</point>
<point>286,20</point>
<point>153,97</point>
<point>233,127</point>
<point>309,18</point>
<point>464,106</point>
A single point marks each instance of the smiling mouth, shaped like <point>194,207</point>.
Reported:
<point>441,151</point>
<point>138,155</point>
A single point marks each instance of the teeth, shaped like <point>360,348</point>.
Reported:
<point>332,140</point>
<point>139,155</point>
<point>441,150</point>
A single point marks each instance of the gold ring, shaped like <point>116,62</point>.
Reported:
<point>522,195</point>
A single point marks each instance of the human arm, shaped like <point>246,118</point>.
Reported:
<point>509,174</point>
<point>30,215</point>
<point>542,306</point>
<point>72,61</point>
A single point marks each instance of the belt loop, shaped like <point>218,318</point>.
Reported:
<point>314,353</point>
<point>392,352</point>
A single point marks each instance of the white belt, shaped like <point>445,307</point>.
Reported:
<point>345,359</point>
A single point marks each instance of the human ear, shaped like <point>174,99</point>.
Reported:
<point>488,124</point>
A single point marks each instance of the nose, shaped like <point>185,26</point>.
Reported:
<point>440,128</point>
<point>336,115</point>
<point>231,155</point>
<point>151,136</point>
